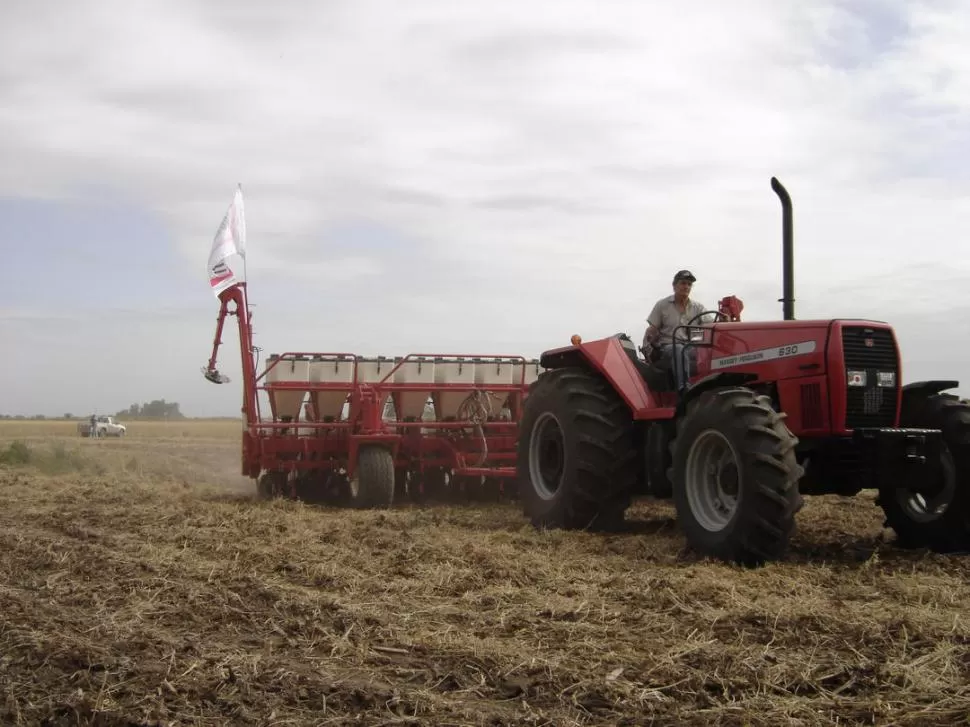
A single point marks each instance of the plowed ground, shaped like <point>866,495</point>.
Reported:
<point>141,584</point>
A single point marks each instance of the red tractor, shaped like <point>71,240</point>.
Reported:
<point>772,411</point>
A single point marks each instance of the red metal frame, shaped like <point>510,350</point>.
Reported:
<point>467,447</point>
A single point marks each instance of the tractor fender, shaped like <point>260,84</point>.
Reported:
<point>713,381</point>
<point>561,358</point>
<point>929,387</point>
<point>607,358</point>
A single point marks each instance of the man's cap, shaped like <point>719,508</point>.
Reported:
<point>685,275</point>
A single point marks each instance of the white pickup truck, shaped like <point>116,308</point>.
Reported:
<point>106,426</point>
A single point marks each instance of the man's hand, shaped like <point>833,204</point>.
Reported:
<point>649,336</point>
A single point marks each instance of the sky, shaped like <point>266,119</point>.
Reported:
<point>465,178</point>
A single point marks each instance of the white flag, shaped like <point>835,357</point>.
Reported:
<point>230,239</point>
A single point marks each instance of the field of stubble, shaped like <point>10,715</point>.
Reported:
<point>140,584</point>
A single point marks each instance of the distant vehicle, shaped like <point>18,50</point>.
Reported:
<point>106,426</point>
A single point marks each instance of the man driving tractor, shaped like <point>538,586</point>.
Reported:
<point>668,313</point>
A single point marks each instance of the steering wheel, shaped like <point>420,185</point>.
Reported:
<point>707,313</point>
<point>690,323</point>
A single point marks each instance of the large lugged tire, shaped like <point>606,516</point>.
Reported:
<point>373,482</point>
<point>577,456</point>
<point>943,523</point>
<point>735,477</point>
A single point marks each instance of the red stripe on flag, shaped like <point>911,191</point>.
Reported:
<point>213,282</point>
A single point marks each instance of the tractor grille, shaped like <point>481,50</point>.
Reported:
<point>871,350</point>
<point>812,417</point>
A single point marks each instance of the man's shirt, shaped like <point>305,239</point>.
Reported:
<point>666,316</point>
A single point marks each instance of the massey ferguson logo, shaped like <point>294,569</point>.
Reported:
<point>869,343</point>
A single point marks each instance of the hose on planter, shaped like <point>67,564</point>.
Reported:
<point>476,408</point>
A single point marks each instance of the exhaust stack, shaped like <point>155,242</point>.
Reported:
<point>788,251</point>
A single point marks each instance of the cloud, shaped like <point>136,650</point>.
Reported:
<point>498,176</point>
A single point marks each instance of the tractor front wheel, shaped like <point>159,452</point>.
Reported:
<point>577,455</point>
<point>735,477</point>
<point>937,518</point>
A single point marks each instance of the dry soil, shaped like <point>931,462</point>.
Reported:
<point>141,584</point>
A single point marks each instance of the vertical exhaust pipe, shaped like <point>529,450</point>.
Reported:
<point>787,252</point>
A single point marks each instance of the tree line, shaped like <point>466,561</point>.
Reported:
<point>157,409</point>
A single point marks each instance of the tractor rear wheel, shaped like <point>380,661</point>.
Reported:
<point>577,455</point>
<point>373,482</point>
<point>938,519</point>
<point>735,477</point>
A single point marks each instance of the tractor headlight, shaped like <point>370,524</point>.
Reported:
<point>696,335</point>
<point>856,378</point>
<point>886,379</point>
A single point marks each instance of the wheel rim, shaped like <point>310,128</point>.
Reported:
<point>923,510</point>
<point>712,480</point>
<point>547,453</point>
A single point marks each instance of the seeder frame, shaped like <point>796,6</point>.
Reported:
<point>474,445</point>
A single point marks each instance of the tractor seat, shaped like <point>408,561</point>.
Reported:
<point>646,369</point>
<point>658,378</point>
